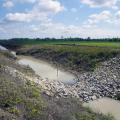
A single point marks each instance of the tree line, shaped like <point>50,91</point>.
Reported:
<point>64,39</point>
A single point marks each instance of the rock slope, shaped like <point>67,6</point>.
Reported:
<point>104,81</point>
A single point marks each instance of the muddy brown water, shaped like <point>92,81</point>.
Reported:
<point>105,106</point>
<point>47,71</point>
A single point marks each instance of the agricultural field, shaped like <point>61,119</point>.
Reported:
<point>101,44</point>
<point>73,42</point>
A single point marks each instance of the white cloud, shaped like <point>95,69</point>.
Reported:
<point>115,7</point>
<point>116,18</point>
<point>51,29</point>
<point>118,14</point>
<point>107,17</point>
<point>8,4</point>
<point>93,19</point>
<point>49,6</point>
<point>20,17</point>
<point>100,3</point>
<point>41,9</point>
<point>34,28</point>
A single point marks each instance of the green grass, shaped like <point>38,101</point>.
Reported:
<point>100,44</point>
<point>31,42</point>
<point>18,97</point>
<point>75,57</point>
<point>80,116</point>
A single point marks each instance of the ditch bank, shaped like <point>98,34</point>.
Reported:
<point>104,81</point>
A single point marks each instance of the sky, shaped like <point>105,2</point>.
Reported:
<point>56,18</point>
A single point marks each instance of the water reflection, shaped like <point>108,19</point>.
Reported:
<point>46,70</point>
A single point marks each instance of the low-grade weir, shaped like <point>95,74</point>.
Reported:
<point>46,70</point>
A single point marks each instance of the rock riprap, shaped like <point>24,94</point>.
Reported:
<point>103,81</point>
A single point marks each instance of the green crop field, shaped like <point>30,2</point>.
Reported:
<point>69,42</point>
<point>102,44</point>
